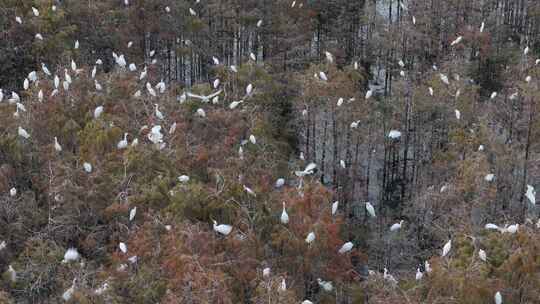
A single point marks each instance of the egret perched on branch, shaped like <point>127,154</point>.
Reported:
<point>511,229</point>
<point>222,228</point>
<point>444,78</point>
<point>482,255</point>
<point>346,248</point>
<point>498,298</point>
<point>326,285</point>
<point>307,171</point>
<point>446,248</point>
<point>491,226</point>
<point>280,182</point>
<point>183,178</point>
<point>329,57</point>
<point>87,167</point>
<point>57,146</point>
<point>394,134</point>
<point>489,177</point>
<point>430,89</point>
<point>35,11</point>
<point>284,216</point>
<point>204,98</point>
<point>71,255</point>
<point>323,76</point>
<point>419,274</point>
<point>335,207</point>
<point>531,194</point>
<point>22,133</point>
<point>132,213</point>
<point>396,226</point>
<point>370,209</point>
<point>98,111</point>
<point>369,93</point>
<point>482,27</point>
<point>158,113</point>
<point>123,143</point>
<point>458,40</point>
<point>310,237</point>
<point>123,247</point>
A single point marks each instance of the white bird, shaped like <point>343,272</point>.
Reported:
<point>3,245</point>
<point>370,209</point>
<point>458,114</point>
<point>203,98</point>
<point>216,83</point>
<point>132,213</point>
<point>98,111</point>
<point>150,90</point>
<point>15,98</point>
<point>167,9</point>
<point>40,95</point>
<point>528,79</point>
<point>192,12</point>
<point>161,86</point>
<point>266,272</point>
<point>531,194</point>
<point>87,167</point>
<point>73,66</point>
<point>307,171</point>
<point>491,226</point>
<point>458,40</point>
<point>259,23</point>
<point>394,134</point>
<point>489,177</point>
<point>249,191</point>
<point>284,216</point>
<point>18,19</point>
<point>283,285</point>
<point>335,206</point>
<point>390,278</point>
<point>57,146</point>
<point>444,78</point>
<point>511,229</point>
<point>419,274</point>
<point>132,67</point>
<point>35,11</point>
<point>526,51</point>
<point>130,44</point>
<point>123,143</point>
<point>482,255</point>
<point>76,46</point>
<point>123,247</point>
<point>342,164</point>
<point>401,63</point>
<point>235,104</point>
<point>71,255</point>
<point>413,20</point>
<point>56,81</point>
<point>155,135</point>
<point>22,132</point>
<point>329,57</point>
<point>396,226</point>
<point>427,266</point>
<point>252,139</point>
<point>280,182</point>
<point>234,68</point>
<point>172,128</point>
<point>310,237</point>
<point>355,65</point>
<point>26,84</point>
<point>201,112</point>
<point>402,73</point>
<point>13,192</point>
<point>446,248</point>
<point>249,89</point>
<point>98,86</point>
<point>498,298</point>
<point>482,27</point>
<point>65,85</point>
<point>339,102</point>
<point>346,248</point>
<point>183,178</point>
<point>325,285</point>
<point>323,76</point>
<point>215,60</point>
<point>158,113</point>
<point>222,228</point>
<point>94,71</point>
<point>369,93</point>
<point>12,274</point>
<point>99,62</point>
<point>493,95</point>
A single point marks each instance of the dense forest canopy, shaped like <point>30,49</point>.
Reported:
<point>257,151</point>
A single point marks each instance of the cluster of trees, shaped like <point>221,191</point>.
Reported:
<point>428,110</point>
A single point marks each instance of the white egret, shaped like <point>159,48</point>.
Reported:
<point>69,292</point>
<point>203,98</point>
<point>150,90</point>
<point>12,274</point>
<point>57,146</point>
<point>222,228</point>
<point>40,95</point>
<point>369,93</point>
<point>18,19</point>
<point>482,254</point>
<point>310,237</point>
<point>342,164</point>
<point>26,84</point>
<point>329,57</point>
<point>183,178</point>
<point>528,78</point>
<point>498,298</point>
<point>234,69</point>
<point>323,76</point>
<point>511,229</point>
<point>252,139</point>
<point>158,113</point>
<point>531,194</point>
<point>419,274</point>
<point>56,81</point>
<point>216,83</point>
<point>458,114</point>
<point>346,248</point>
<point>13,192</point>
<point>132,213</point>
<point>325,285</point>
<point>444,78</point>
<point>87,167</point>
<point>307,171</point>
<point>35,11</point>
<point>22,133</point>
<point>370,209</point>
<point>284,216</point>
<point>307,302</point>
<point>192,12</point>
<point>335,206</point>
<point>249,191</point>
<point>394,134</point>
<point>132,67</point>
<point>98,111</point>
<point>280,182</point>
<point>493,95</point>
<point>98,86</point>
<point>123,143</point>
<point>427,266</point>
<point>155,135</point>
<point>266,272</point>
<point>396,226</point>
<point>235,104</point>
<point>3,245</point>
<point>339,102</point>
<point>201,112</point>
<point>283,285</point>
<point>526,50</point>
<point>491,226</point>
<point>249,89</point>
<point>71,255</point>
<point>123,247</point>
<point>458,40</point>
<point>446,248</point>
<point>172,128</point>
<point>482,27</point>
<point>489,177</point>
<point>259,23</point>
<point>76,46</point>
